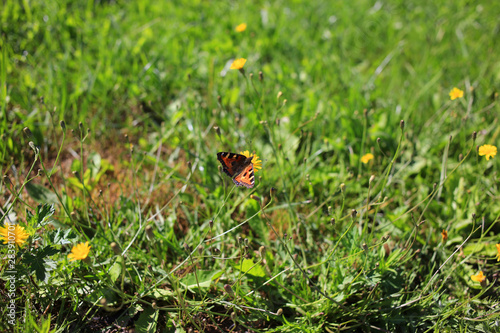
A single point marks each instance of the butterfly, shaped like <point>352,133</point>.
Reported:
<point>238,167</point>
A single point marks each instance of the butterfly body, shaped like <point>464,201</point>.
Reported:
<point>238,167</point>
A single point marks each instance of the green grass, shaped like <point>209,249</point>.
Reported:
<point>319,247</point>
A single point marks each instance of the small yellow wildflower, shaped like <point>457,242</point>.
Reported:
<point>13,233</point>
<point>238,63</point>
<point>257,164</point>
<point>498,252</point>
<point>456,93</point>
<point>366,158</point>
<point>444,235</point>
<point>79,251</point>
<point>487,151</point>
<point>479,277</point>
<point>241,27</point>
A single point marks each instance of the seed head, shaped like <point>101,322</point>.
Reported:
<point>149,232</point>
<point>116,248</point>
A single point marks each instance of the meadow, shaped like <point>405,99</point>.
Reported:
<point>373,128</point>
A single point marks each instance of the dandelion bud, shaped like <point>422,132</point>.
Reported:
<point>473,216</point>
<point>378,140</point>
<point>6,179</point>
<point>189,76</point>
<point>32,146</point>
<point>255,197</point>
<point>211,224</point>
<point>131,147</point>
<point>261,76</point>
<point>216,251</point>
<point>295,256</point>
<point>354,212</point>
<point>233,316</point>
<point>149,232</point>
<point>377,265</point>
<point>262,251</point>
<point>217,130</point>
<point>228,289</point>
<point>27,131</point>
<point>279,312</point>
<point>280,94</point>
<point>451,137</point>
<point>80,125</point>
<point>460,157</point>
<point>329,210</point>
<point>153,305</point>
<point>342,187</point>
<point>273,191</point>
<point>39,172</point>
<point>277,121</point>
<point>332,221</point>
<point>103,302</point>
<point>280,146</point>
<point>434,186</point>
<point>444,236</point>
<point>251,76</point>
<point>187,247</point>
<point>116,248</point>
<point>372,177</point>
<point>240,240</point>
<point>284,102</point>
<point>63,125</point>
<point>365,112</point>
<point>219,100</point>
<point>474,135</point>
<point>190,165</point>
<point>364,247</point>
<point>402,124</point>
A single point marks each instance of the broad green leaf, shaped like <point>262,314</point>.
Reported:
<point>249,267</point>
<point>201,280</point>
<point>147,321</point>
<point>116,270</point>
<point>41,194</point>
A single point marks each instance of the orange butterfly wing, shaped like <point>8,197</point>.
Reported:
<point>245,177</point>
<point>230,162</point>
<point>233,166</point>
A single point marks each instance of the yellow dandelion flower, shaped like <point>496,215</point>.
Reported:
<point>13,233</point>
<point>238,63</point>
<point>487,151</point>
<point>498,252</point>
<point>479,277</point>
<point>79,251</point>
<point>444,236</point>
<point>456,93</point>
<point>257,164</point>
<point>366,158</point>
<point>241,27</point>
